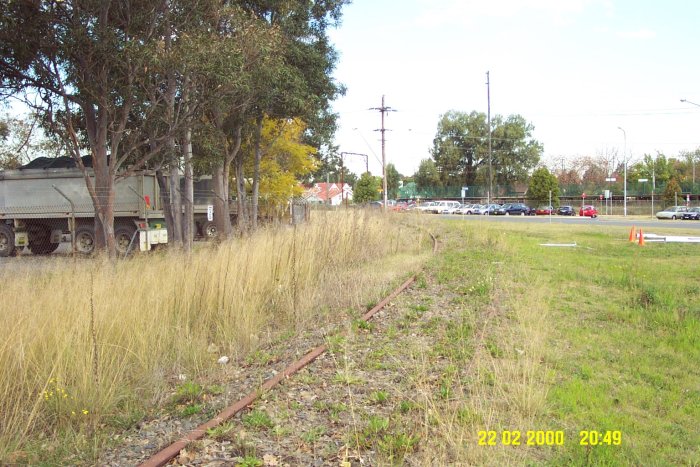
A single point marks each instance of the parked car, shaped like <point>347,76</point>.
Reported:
<point>441,206</point>
<point>566,211</point>
<point>451,209</point>
<point>465,209</point>
<point>515,209</point>
<point>693,213</point>
<point>490,209</point>
<point>426,206</point>
<point>400,206</point>
<point>544,210</point>
<point>588,211</point>
<point>672,212</point>
<point>478,208</point>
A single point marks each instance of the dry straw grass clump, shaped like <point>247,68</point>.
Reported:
<point>86,340</point>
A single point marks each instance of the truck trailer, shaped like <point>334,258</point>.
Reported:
<point>42,207</point>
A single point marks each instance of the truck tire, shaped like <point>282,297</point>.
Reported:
<point>85,240</point>
<point>209,231</point>
<point>7,241</point>
<point>122,239</point>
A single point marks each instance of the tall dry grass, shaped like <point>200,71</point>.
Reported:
<point>88,340</point>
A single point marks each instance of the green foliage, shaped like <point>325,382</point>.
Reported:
<point>541,183</point>
<point>673,192</point>
<point>393,177</point>
<point>461,154</point>
<point>427,175</point>
<point>366,189</point>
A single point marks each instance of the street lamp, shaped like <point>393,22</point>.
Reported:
<point>624,153</point>
<point>693,159</point>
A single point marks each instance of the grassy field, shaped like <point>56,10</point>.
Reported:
<point>91,347</point>
<point>589,353</point>
<point>600,342</point>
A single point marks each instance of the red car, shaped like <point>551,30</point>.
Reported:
<point>544,210</point>
<point>588,211</point>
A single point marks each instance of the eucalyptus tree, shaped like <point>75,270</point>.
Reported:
<point>85,65</point>
<point>461,153</point>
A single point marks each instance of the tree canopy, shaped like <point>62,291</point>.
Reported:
<point>461,155</point>
<point>136,83</point>
<point>541,185</point>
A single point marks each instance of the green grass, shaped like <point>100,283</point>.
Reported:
<point>602,337</point>
<point>624,323</point>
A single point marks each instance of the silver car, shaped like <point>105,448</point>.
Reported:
<point>672,212</point>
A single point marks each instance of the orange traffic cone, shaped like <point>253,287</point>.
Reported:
<point>641,238</point>
<point>632,235</point>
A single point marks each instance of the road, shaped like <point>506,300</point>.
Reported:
<point>604,221</point>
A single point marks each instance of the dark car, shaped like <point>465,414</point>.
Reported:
<point>515,209</point>
<point>693,214</point>
<point>566,211</point>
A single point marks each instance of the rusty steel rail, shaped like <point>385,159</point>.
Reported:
<point>169,452</point>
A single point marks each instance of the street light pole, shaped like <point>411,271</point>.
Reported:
<point>624,154</point>
<point>686,101</point>
<point>488,102</point>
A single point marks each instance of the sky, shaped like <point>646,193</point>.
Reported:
<point>577,70</point>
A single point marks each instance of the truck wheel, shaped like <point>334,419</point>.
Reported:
<point>209,231</point>
<point>85,240</point>
<point>7,241</point>
<point>122,238</point>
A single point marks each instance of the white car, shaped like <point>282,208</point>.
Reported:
<point>426,207</point>
<point>441,207</point>
<point>672,212</point>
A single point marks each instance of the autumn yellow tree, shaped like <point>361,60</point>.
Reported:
<point>285,161</point>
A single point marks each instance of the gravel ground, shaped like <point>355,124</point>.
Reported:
<point>346,408</point>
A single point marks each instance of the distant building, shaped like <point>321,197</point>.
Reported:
<point>328,193</point>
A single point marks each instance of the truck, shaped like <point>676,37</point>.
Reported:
<point>42,206</point>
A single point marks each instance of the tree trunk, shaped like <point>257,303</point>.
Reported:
<point>222,216</point>
<point>175,199</point>
<point>188,230</point>
<point>104,210</point>
<point>256,174</point>
<point>164,188</point>
<point>241,211</point>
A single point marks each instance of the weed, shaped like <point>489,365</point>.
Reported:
<point>396,446</point>
<point>406,406</point>
<point>314,434</point>
<point>258,419</point>
<point>192,409</point>
<point>346,377</point>
<point>361,324</point>
<point>260,358</point>
<point>379,397</point>
<point>250,461</point>
<point>493,349</point>
<point>187,393</point>
<point>221,432</point>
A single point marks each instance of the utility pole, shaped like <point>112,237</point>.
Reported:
<point>383,109</point>
<point>488,99</point>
